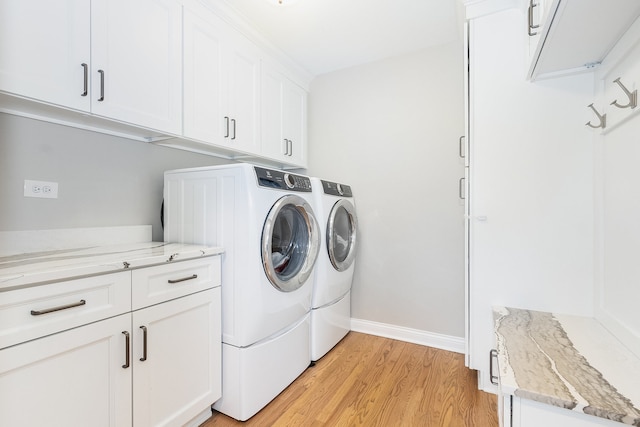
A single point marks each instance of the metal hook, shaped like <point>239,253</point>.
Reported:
<point>633,96</point>
<point>601,117</point>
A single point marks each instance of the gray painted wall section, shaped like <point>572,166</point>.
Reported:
<point>103,180</point>
<point>390,129</point>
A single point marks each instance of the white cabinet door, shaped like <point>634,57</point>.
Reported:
<point>73,378</point>
<point>535,20</point>
<point>294,122</point>
<point>178,376</point>
<point>283,121</point>
<point>243,80</point>
<point>43,46</point>
<point>136,70</point>
<point>221,78</point>
<point>274,143</point>
<point>204,93</point>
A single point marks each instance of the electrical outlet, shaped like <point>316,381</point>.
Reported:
<point>43,189</point>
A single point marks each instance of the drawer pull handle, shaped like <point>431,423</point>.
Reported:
<point>144,343</point>
<point>62,307</point>
<point>493,355</point>
<point>126,349</point>
<point>195,276</point>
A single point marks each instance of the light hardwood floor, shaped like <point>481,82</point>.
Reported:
<point>372,381</point>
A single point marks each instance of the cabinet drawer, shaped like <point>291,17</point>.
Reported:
<point>34,312</point>
<point>165,282</point>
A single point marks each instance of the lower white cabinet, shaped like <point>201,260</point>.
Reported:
<point>73,378</point>
<point>518,412</point>
<point>176,361</point>
<point>159,365</point>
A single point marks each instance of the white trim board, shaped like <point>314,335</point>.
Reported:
<point>415,336</point>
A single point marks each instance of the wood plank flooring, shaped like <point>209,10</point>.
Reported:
<point>372,381</point>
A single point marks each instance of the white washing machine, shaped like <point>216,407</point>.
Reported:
<point>331,302</point>
<point>265,222</point>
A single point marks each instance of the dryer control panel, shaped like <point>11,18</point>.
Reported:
<point>280,180</point>
<point>335,189</point>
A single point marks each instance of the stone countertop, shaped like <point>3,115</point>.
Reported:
<point>31,269</point>
<point>568,361</point>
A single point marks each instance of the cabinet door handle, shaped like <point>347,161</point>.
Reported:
<point>493,354</point>
<point>233,122</point>
<point>127,344</point>
<point>101,72</point>
<point>86,79</point>
<point>144,343</point>
<point>195,276</point>
<point>531,26</point>
<point>61,307</point>
<point>461,152</point>
<point>226,120</point>
<point>290,148</point>
<point>461,192</point>
<point>286,147</point>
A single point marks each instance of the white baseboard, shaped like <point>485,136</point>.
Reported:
<point>415,336</point>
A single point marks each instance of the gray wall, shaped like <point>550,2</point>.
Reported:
<point>103,180</point>
<point>390,129</point>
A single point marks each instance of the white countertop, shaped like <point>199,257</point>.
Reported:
<point>35,268</point>
<point>568,361</point>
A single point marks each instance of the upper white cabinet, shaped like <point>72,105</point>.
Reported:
<point>221,78</point>
<point>176,72</point>
<point>243,105</point>
<point>537,11</point>
<point>284,112</point>
<point>45,51</point>
<point>203,76</point>
<point>136,72</point>
<point>575,35</point>
<point>114,58</point>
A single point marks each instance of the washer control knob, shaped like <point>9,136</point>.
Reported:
<point>288,179</point>
<point>339,188</point>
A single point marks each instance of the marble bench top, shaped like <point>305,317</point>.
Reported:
<point>568,361</point>
<point>30,269</point>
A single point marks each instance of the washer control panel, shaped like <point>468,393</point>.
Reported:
<point>335,189</point>
<point>280,180</point>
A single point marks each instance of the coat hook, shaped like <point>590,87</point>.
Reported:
<point>633,96</point>
<point>601,117</point>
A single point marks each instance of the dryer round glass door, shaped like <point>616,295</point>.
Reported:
<point>341,234</point>
<point>290,243</point>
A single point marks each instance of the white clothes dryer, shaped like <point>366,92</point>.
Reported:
<point>265,222</point>
<point>331,302</point>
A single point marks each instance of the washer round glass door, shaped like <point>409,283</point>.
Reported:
<point>341,234</point>
<point>290,243</point>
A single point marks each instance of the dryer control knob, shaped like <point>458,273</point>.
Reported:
<point>339,188</point>
<point>288,179</point>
